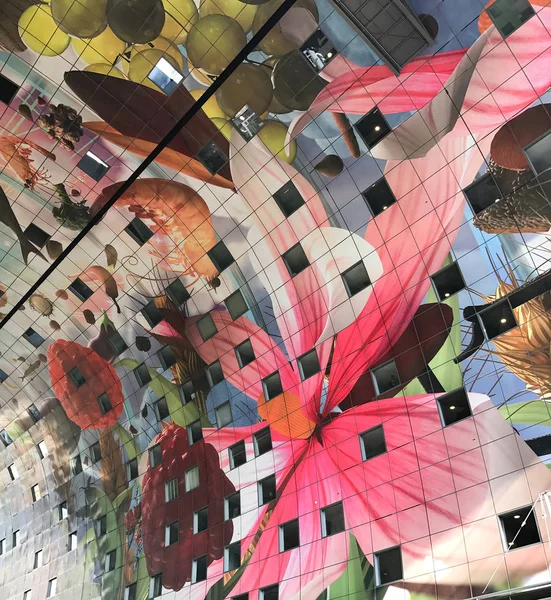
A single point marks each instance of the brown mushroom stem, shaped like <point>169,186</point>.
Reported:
<point>347,133</point>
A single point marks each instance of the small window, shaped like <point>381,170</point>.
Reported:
<point>232,557</point>
<point>38,560</point>
<point>188,391</point>
<point>373,128</point>
<point>130,592</point>
<point>35,492</point>
<point>247,123</point>
<point>77,377</point>
<point>192,479</point>
<point>454,407</point>
<point>95,452</point>
<point>236,305</point>
<point>76,465</point>
<point>34,339</point>
<point>519,528</point>
<point>201,520</point>
<point>73,541</point>
<point>167,357</point>
<point>139,231</point>
<point>372,442</point>
<point>289,536</point>
<point>211,157</point>
<point>538,154</point>
<point>308,364</point>
<point>378,197</point>
<point>3,376</point>
<point>220,256</point>
<point>93,166</point>
<point>63,511</point>
<point>223,415</point>
<point>141,372</point>
<point>238,455</point>
<point>215,375</point>
<point>482,193</point>
<point>245,354</point>
<point>161,406</point>
<point>244,596</point>
<point>199,569</point>
<point>27,595</point>
<point>101,526</point>
<point>332,519</point>
<point>266,490</point>
<point>356,279</point>
<point>295,260</point>
<point>206,327</point>
<point>80,289</point>
<point>6,438</point>
<point>111,561</point>
<point>15,538</point>
<point>448,281</point>
<point>156,582</point>
<point>116,341</point>
<point>269,593</point>
<point>34,413</point>
<point>52,588</point>
<point>232,506</point>
<point>171,534</point>
<point>37,235</point>
<point>385,377</point>
<point>165,76</point>
<point>104,403</point>
<point>12,470</point>
<point>194,432</point>
<point>318,50</point>
<point>171,489</point>
<point>509,15</point>
<point>288,198</point>
<point>132,469</point>
<point>262,441</point>
<point>177,292</point>
<point>272,386</point>
<point>2,546</point>
<point>8,90</point>
<point>498,318</point>
<point>155,456</point>
<point>152,314</point>
<point>388,566</point>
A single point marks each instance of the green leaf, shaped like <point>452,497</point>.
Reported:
<point>121,498</point>
<point>128,441</point>
<point>535,412</point>
<point>357,582</point>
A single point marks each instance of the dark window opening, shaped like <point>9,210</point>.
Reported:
<point>379,197</point>
<point>232,506</point>
<point>372,128</point>
<point>266,490</point>
<point>454,407</point>
<point>236,305</point>
<point>93,166</point>
<point>245,354</point>
<point>448,281</point>
<point>238,455</point>
<point>80,289</point>
<point>332,519</point>
<point>212,157</point>
<point>385,377</point>
<point>37,235</point>
<point>288,198</point>
<point>220,256</point>
<point>272,386</point>
<point>356,279</point>
<point>289,536</point>
<point>139,231</point>
<point>206,327</point>
<point>372,442</point>
<point>388,566</point>
<point>295,260</point>
<point>262,441</point>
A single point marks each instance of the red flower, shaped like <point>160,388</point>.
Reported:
<point>132,517</point>
<point>175,561</point>
<point>81,401</point>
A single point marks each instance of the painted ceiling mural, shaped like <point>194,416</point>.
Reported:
<point>306,353</point>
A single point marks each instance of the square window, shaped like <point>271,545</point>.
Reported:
<point>232,557</point>
<point>238,455</point>
<point>378,197</point>
<point>448,281</point>
<point>76,465</point>
<point>80,289</point>
<point>201,520</point>
<point>34,413</point>
<point>269,593</point>
<point>171,489</point>
<point>15,539</point>
<point>211,157</point>
<point>373,128</point>
<point>206,327</point>
<point>101,526</point>
<point>241,597</point>
<point>132,469</point>
<point>116,341</point>
<point>245,354</point>
<point>272,386</point>
<point>111,560</point>
<point>372,442</point>
<point>130,592</point>
<point>295,260</point>
<point>215,375</point>
<point>156,582</point>
<point>177,292</point>
<point>93,166</point>
<point>308,364</point>
<point>95,452</point>
<point>232,506</point>
<point>509,15</point>
<point>27,595</point>
<point>385,377</point>
<point>519,528</point>
<point>155,456</point>
<point>77,377</point>
<point>188,391</point>
<point>165,76</point>
<point>199,569</point>
<point>192,479</point>
<point>12,470</point>
<point>139,231</point>
<point>318,50</point>
<point>35,492</point>
<point>236,305</point>
<point>454,407</point>
<point>42,449</point>
<point>36,235</point>
<point>5,437</point>
<point>152,314</point>
<point>52,588</point>
<point>221,257</point>
<point>3,376</point>
<point>482,193</point>
<point>2,546</point>
<point>247,123</point>
<point>262,441</point>
<point>288,198</point>
<point>538,153</point>
<point>332,519</point>
<point>104,403</point>
<point>141,372</point>
<point>194,432</point>
<point>8,89</point>
<point>167,357</point>
<point>73,541</point>
<point>498,319</point>
<point>171,534</point>
<point>266,490</point>
<point>356,279</point>
<point>33,338</point>
<point>289,536</point>
<point>388,566</point>
<point>223,415</point>
<point>38,560</point>
<point>161,406</point>
<point>63,511</point>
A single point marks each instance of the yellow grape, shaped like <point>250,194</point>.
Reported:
<point>180,15</point>
<point>224,127</point>
<point>159,43</point>
<point>105,69</point>
<point>143,62</point>
<point>80,18</point>
<point>273,135</point>
<point>105,48</point>
<point>136,21</point>
<point>40,33</point>
<point>241,12</point>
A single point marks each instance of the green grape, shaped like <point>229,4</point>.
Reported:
<point>105,69</point>
<point>180,15</point>
<point>273,134</point>
<point>248,84</point>
<point>105,48</point>
<point>40,33</point>
<point>241,12</point>
<point>142,63</point>
<point>213,42</point>
<point>82,18</point>
<point>136,21</point>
